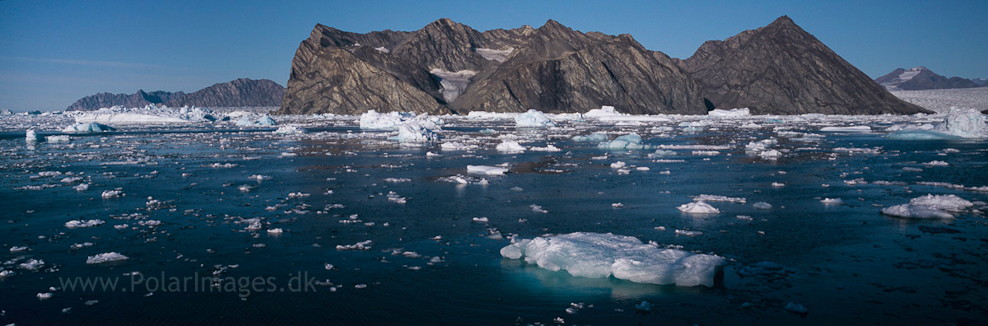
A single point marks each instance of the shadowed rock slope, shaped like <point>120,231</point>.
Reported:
<point>242,92</point>
<point>782,69</point>
<point>447,67</point>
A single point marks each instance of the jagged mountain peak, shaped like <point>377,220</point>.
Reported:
<point>783,69</point>
<point>920,78</point>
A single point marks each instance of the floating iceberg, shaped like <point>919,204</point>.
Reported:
<point>533,119</point>
<point>32,136</point>
<point>957,124</point>
<point>83,223</point>
<point>484,169</point>
<point>247,121</point>
<point>373,120</point>
<point>87,127</point>
<point>148,114</point>
<point>698,207</point>
<point>722,113</point>
<point>929,206</point>
<point>105,258</point>
<point>510,146</point>
<point>629,142</point>
<point>414,132</point>
<point>599,255</point>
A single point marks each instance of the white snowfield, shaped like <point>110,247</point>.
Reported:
<point>453,83</point>
<point>600,255</point>
<point>496,55</point>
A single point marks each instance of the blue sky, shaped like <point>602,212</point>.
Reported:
<point>55,52</point>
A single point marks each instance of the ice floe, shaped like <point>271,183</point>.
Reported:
<point>486,169</point>
<point>732,113</point>
<point>625,142</point>
<point>105,258</point>
<point>599,255</point>
<point>87,127</point>
<point>957,123</point>
<point>149,114</point>
<point>929,206</point>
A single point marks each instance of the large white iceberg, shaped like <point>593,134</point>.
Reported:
<point>929,206</point>
<point>148,114</point>
<point>533,119</point>
<point>415,132</point>
<point>958,123</point>
<point>87,127</point>
<point>600,255</point>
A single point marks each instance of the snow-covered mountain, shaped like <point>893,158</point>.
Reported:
<point>920,78</point>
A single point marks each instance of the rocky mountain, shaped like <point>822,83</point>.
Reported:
<point>242,92</point>
<point>980,81</point>
<point>447,67</point>
<point>920,78</point>
<point>782,69</point>
<point>139,99</point>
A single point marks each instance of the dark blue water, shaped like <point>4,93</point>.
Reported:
<point>844,262</point>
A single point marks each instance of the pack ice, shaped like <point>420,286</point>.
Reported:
<point>600,255</point>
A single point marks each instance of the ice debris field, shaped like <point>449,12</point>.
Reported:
<point>492,218</point>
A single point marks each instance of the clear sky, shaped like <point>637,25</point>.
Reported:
<point>55,52</point>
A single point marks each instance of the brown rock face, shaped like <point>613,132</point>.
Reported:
<point>782,69</point>
<point>551,69</point>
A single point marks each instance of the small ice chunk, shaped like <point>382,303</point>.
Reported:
<point>105,258</point>
<point>111,194</point>
<point>915,211</point>
<point>796,308</point>
<point>732,113</point>
<point>480,219</point>
<point>761,205</point>
<point>32,264</point>
<point>698,207</point>
<point>950,203</point>
<point>275,231</point>
<point>705,197</point>
<point>45,296</point>
<point>832,201</point>
<point>618,165</point>
<point>290,130</point>
<point>363,245</point>
<point>18,248</point>
<point>57,139</point>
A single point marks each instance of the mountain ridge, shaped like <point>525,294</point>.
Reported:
<point>921,78</point>
<point>242,92</point>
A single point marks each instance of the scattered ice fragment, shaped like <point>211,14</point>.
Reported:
<point>778,184</point>
<point>275,231</point>
<point>847,129</point>
<point>936,163</point>
<point>796,308</point>
<point>698,207</point>
<point>594,137</point>
<point>537,209</point>
<point>363,245</point>
<point>480,219</point>
<point>705,197</point>
<point>732,113</point>
<point>360,286</point>
<point>688,233</point>
<point>111,194</point>
<point>599,255</point>
<point>617,205</point>
<point>83,223</point>
<point>761,205</point>
<point>32,264</point>
<point>290,130</point>
<point>57,139</point>
<point>105,258</point>
<point>832,201</point>
<point>18,248</point>
<point>618,165</point>
<point>45,296</point>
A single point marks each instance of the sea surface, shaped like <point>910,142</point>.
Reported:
<point>189,194</point>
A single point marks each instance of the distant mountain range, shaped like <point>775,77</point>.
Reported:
<point>921,78</point>
<point>448,67</point>
<point>242,92</point>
